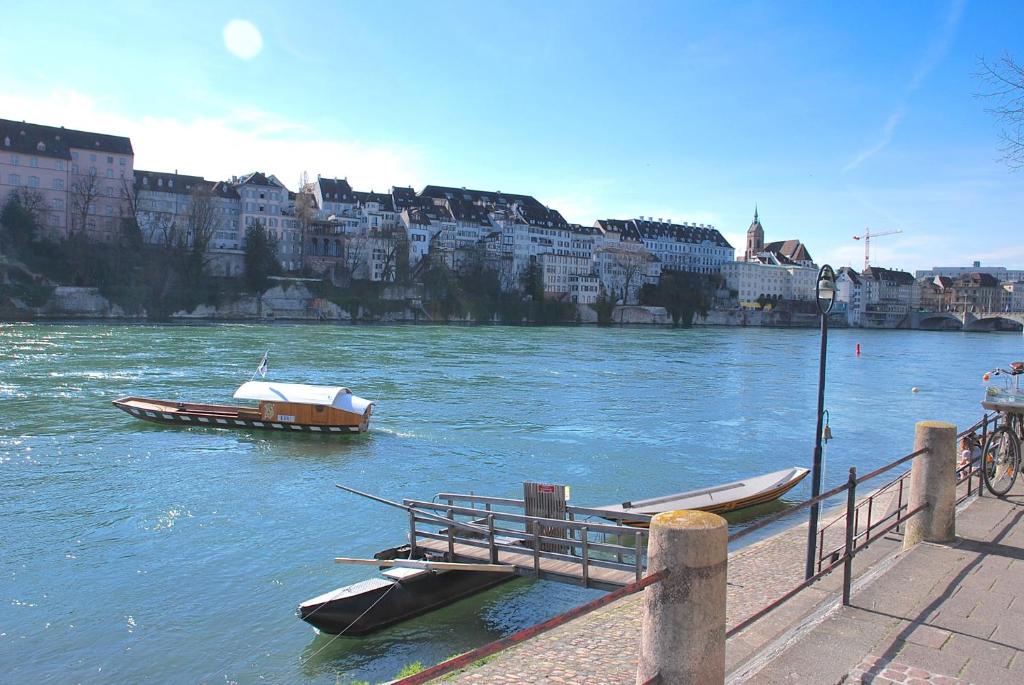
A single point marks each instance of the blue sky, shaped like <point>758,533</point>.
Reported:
<point>831,117</point>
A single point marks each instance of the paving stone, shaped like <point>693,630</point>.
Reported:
<point>928,636</point>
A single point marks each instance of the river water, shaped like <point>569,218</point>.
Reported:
<point>140,553</point>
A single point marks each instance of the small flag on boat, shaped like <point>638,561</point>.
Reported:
<point>262,368</point>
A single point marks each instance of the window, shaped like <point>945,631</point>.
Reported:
<point>110,160</point>
<point>110,173</point>
<point>33,161</point>
<point>60,165</point>
<point>33,181</point>
<point>13,179</point>
<point>58,203</point>
<point>74,168</point>
<point>92,158</point>
<point>123,161</point>
<point>58,184</point>
<point>14,160</point>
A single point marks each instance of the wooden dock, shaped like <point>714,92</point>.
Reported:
<point>540,535</point>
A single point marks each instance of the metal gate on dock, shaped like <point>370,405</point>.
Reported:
<point>540,535</point>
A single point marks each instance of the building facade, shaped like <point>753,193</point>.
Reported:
<point>74,181</point>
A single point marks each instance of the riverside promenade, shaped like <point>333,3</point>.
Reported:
<point>933,614</point>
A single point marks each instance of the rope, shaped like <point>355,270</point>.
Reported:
<point>354,621</point>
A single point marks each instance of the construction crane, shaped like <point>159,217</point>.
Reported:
<point>868,235</point>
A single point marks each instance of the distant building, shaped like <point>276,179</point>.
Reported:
<point>781,270</point>
<point>887,296</point>
<point>977,292</point>
<point>1013,299</point>
<point>1003,274</point>
<point>74,180</point>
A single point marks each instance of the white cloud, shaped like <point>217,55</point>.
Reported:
<point>218,147</point>
<point>242,39</point>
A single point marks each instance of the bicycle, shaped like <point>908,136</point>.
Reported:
<point>1001,454</point>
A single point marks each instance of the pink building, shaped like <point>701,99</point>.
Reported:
<point>75,180</point>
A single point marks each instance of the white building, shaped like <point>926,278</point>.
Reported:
<point>770,280</point>
<point>683,247</point>
<point>177,209</point>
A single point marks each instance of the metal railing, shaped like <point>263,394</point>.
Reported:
<point>584,545</point>
<point>856,537</point>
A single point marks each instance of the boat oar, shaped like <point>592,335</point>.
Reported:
<point>427,565</point>
<point>421,512</point>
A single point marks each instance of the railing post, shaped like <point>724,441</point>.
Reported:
<point>536,549</point>
<point>451,535</point>
<point>933,483</point>
<point>490,539</point>
<point>683,622</point>
<point>412,534</point>
<point>851,510</point>
<point>585,552</point>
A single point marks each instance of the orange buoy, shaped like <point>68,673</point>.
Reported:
<point>986,377</point>
<point>858,349</point>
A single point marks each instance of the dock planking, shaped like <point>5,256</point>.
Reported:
<point>527,564</point>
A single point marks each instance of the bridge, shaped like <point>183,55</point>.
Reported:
<point>967,321</point>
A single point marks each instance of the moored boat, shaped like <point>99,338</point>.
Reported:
<point>717,499</point>
<point>281,406</point>
<point>401,593</point>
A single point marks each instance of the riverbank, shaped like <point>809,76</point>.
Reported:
<point>295,303</point>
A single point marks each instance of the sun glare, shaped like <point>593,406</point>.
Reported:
<point>242,39</point>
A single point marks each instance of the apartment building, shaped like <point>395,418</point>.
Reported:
<point>74,180</point>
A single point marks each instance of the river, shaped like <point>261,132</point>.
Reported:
<point>134,552</point>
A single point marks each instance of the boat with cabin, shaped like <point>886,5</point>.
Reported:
<point>289,407</point>
<point>718,499</point>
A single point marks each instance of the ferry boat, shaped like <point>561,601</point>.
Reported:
<point>285,407</point>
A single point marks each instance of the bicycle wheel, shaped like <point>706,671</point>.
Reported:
<point>1000,460</point>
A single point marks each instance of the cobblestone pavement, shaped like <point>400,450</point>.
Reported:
<point>601,648</point>
<point>875,670</point>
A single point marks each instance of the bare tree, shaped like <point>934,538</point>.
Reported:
<point>305,213</point>
<point>1005,88</point>
<point>628,267</point>
<point>201,219</point>
<point>85,190</point>
<point>387,244</point>
<point>355,254</point>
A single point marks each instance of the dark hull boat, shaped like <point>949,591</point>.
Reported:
<point>400,594</point>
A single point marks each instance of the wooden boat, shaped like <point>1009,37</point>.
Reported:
<point>717,499</point>
<point>282,407</point>
<point>400,594</point>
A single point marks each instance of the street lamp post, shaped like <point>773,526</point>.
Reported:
<point>826,295</point>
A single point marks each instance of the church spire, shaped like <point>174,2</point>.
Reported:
<point>755,211</point>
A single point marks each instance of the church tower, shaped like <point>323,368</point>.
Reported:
<point>755,239</point>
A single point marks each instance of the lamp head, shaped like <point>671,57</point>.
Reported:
<point>826,290</point>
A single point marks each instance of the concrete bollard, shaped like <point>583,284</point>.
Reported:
<point>933,480</point>
<point>683,633</point>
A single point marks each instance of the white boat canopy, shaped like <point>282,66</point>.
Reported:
<point>328,396</point>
